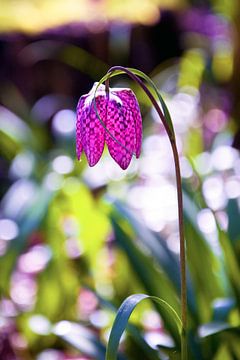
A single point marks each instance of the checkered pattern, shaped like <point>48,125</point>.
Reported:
<point>120,115</point>
<point>129,101</point>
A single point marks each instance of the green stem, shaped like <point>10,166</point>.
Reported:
<point>182,253</point>
<point>172,139</point>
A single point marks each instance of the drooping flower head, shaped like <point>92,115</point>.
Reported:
<point>120,125</point>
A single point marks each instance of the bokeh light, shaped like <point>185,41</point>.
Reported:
<point>8,229</point>
<point>62,164</point>
<point>75,241</point>
<point>64,123</point>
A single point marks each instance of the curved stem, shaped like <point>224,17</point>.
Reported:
<point>107,88</point>
<point>149,94</point>
<point>172,139</point>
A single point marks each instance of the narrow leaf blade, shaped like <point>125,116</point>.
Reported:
<point>123,316</point>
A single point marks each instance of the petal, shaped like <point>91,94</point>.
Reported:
<point>129,100</point>
<point>92,132</point>
<point>120,124</point>
<point>79,147</point>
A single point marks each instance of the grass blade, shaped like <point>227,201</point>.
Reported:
<point>123,316</point>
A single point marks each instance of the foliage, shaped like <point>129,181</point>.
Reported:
<point>75,242</point>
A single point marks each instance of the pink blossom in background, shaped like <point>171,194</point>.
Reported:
<point>121,126</point>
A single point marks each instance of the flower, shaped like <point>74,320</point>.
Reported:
<point>120,125</point>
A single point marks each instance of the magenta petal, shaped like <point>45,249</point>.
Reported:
<point>129,101</point>
<point>91,131</point>
<point>79,147</point>
<point>120,124</point>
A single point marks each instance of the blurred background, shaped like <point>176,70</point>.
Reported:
<point>74,240</point>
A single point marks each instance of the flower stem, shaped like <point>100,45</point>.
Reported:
<point>107,88</point>
<point>172,139</point>
<point>182,253</point>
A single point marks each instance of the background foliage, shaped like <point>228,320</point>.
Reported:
<point>76,241</point>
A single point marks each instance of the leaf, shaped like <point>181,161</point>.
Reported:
<point>231,262</point>
<point>122,318</point>
<point>215,327</point>
<point>147,351</point>
<point>29,220</point>
<point>145,348</point>
<point>149,273</point>
<point>222,308</point>
<point>60,281</point>
<point>158,249</point>
<point>233,213</point>
<point>223,353</point>
<point>154,243</point>
<point>15,128</point>
<point>201,258</point>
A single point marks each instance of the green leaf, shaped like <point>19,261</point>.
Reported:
<point>208,284</point>
<point>15,128</point>
<point>123,316</point>
<point>158,249</point>
<point>230,262</point>
<point>233,213</point>
<point>149,273</point>
<point>223,353</point>
<point>222,308</point>
<point>214,328</point>
<point>146,350</point>
<point>29,220</point>
<point>155,244</point>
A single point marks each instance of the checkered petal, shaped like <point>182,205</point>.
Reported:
<point>79,147</point>
<point>129,101</point>
<point>90,131</point>
<point>120,124</point>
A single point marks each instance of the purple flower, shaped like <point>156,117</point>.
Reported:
<point>121,126</point>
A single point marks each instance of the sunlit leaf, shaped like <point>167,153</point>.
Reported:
<point>214,328</point>
<point>222,308</point>
<point>123,315</point>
